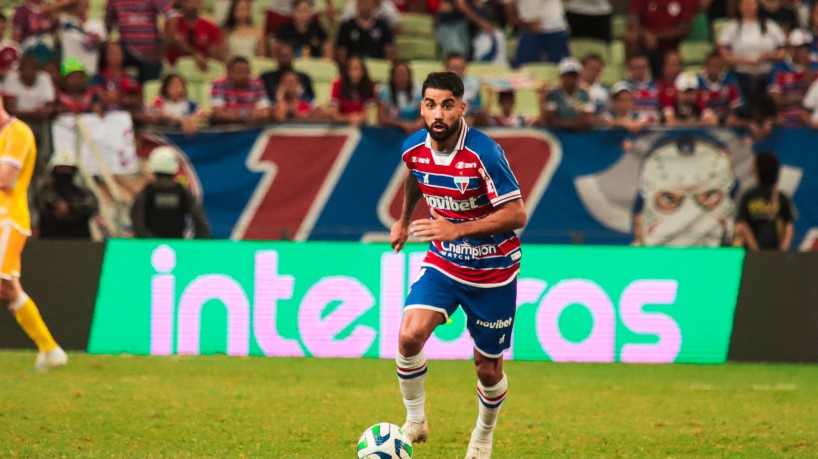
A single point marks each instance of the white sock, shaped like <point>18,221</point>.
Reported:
<point>490,400</point>
<point>411,375</point>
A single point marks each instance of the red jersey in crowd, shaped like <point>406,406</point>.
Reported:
<point>30,20</point>
<point>224,94</point>
<point>659,16</point>
<point>82,103</point>
<point>789,80</point>
<point>722,96</point>
<point>201,36</point>
<point>349,104</point>
<point>645,99</point>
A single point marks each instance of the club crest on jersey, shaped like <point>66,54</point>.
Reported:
<point>462,183</point>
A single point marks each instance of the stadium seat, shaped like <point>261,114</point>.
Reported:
<point>543,72</point>
<point>416,48</point>
<point>150,90</point>
<point>487,70</point>
<point>318,69</point>
<point>199,92</point>
<point>417,25</point>
<point>261,65</point>
<point>611,74</point>
<point>619,24</point>
<point>322,90</point>
<point>694,69</point>
<point>379,69</point>
<point>616,54</point>
<point>695,52</point>
<point>581,47</point>
<point>186,66</point>
<point>718,27</point>
<point>421,68</point>
<point>527,102</point>
<point>511,47</point>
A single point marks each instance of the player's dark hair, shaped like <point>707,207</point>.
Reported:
<point>447,81</point>
<point>635,57</point>
<point>713,55</point>
<point>768,168</point>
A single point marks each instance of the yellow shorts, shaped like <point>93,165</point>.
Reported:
<point>12,242</point>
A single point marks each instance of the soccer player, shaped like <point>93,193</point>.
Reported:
<point>17,162</point>
<point>473,258</point>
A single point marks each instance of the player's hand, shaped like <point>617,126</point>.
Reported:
<point>398,235</point>
<point>439,229</point>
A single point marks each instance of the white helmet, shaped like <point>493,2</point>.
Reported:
<point>63,158</point>
<point>163,161</point>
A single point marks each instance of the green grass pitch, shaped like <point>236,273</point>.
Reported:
<point>229,407</point>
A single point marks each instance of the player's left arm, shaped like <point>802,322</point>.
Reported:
<point>11,159</point>
<point>8,176</point>
<point>509,216</point>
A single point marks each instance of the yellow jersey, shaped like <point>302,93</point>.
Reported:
<point>17,149</point>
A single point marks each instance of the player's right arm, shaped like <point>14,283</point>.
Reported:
<point>411,197</point>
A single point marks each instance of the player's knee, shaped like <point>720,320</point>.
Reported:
<point>489,371</point>
<point>410,341</point>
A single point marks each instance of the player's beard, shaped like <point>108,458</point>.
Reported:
<point>446,133</point>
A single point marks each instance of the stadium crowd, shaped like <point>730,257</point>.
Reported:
<point>575,64</point>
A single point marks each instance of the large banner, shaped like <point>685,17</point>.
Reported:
<point>329,299</point>
<point>340,183</point>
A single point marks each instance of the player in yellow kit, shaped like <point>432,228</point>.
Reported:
<point>18,154</point>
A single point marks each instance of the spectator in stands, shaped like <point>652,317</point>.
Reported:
<point>791,78</point>
<point>476,114</point>
<point>290,103</point>
<point>172,105</point>
<point>483,20</point>
<point>139,33</point>
<point>543,30</point>
<point>657,26</point>
<point>507,116</point>
<point>452,29</point>
<point>590,19</point>
<point>643,89</point>
<point>80,37</point>
<point>686,107</point>
<point>29,94</point>
<point>112,81</point>
<point>35,26</point>
<point>666,83</point>
<point>365,35</point>
<point>384,10</point>
<point>759,116</point>
<point>239,98</point>
<point>280,12</point>
<point>284,61</point>
<point>194,35</point>
<point>399,100</point>
<point>353,94</point>
<point>622,113</point>
<point>134,103</point>
<point>568,106</point>
<point>307,36</point>
<point>163,208</point>
<point>766,217</point>
<point>242,37</point>
<point>65,208</point>
<point>75,95</point>
<point>780,13</point>
<point>751,45</point>
<point>9,50</point>
<point>592,66</point>
<point>812,28</point>
<point>719,90</point>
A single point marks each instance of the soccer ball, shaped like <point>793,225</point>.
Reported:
<point>384,441</point>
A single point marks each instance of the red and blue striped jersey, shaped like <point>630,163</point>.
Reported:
<point>646,98</point>
<point>137,24</point>
<point>789,80</point>
<point>467,184</point>
<point>722,96</point>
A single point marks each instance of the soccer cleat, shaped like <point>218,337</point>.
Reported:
<point>478,449</point>
<point>50,360</point>
<point>416,432</point>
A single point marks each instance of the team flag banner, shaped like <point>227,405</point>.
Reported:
<point>336,299</point>
<point>339,183</point>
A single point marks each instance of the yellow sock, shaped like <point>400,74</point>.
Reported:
<point>28,316</point>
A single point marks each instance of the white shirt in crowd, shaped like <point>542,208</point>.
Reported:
<point>549,13</point>
<point>748,42</point>
<point>33,97</point>
<point>599,96</point>
<point>589,7</point>
<point>82,40</point>
<point>810,101</point>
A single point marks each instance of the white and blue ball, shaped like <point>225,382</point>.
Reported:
<point>384,441</point>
